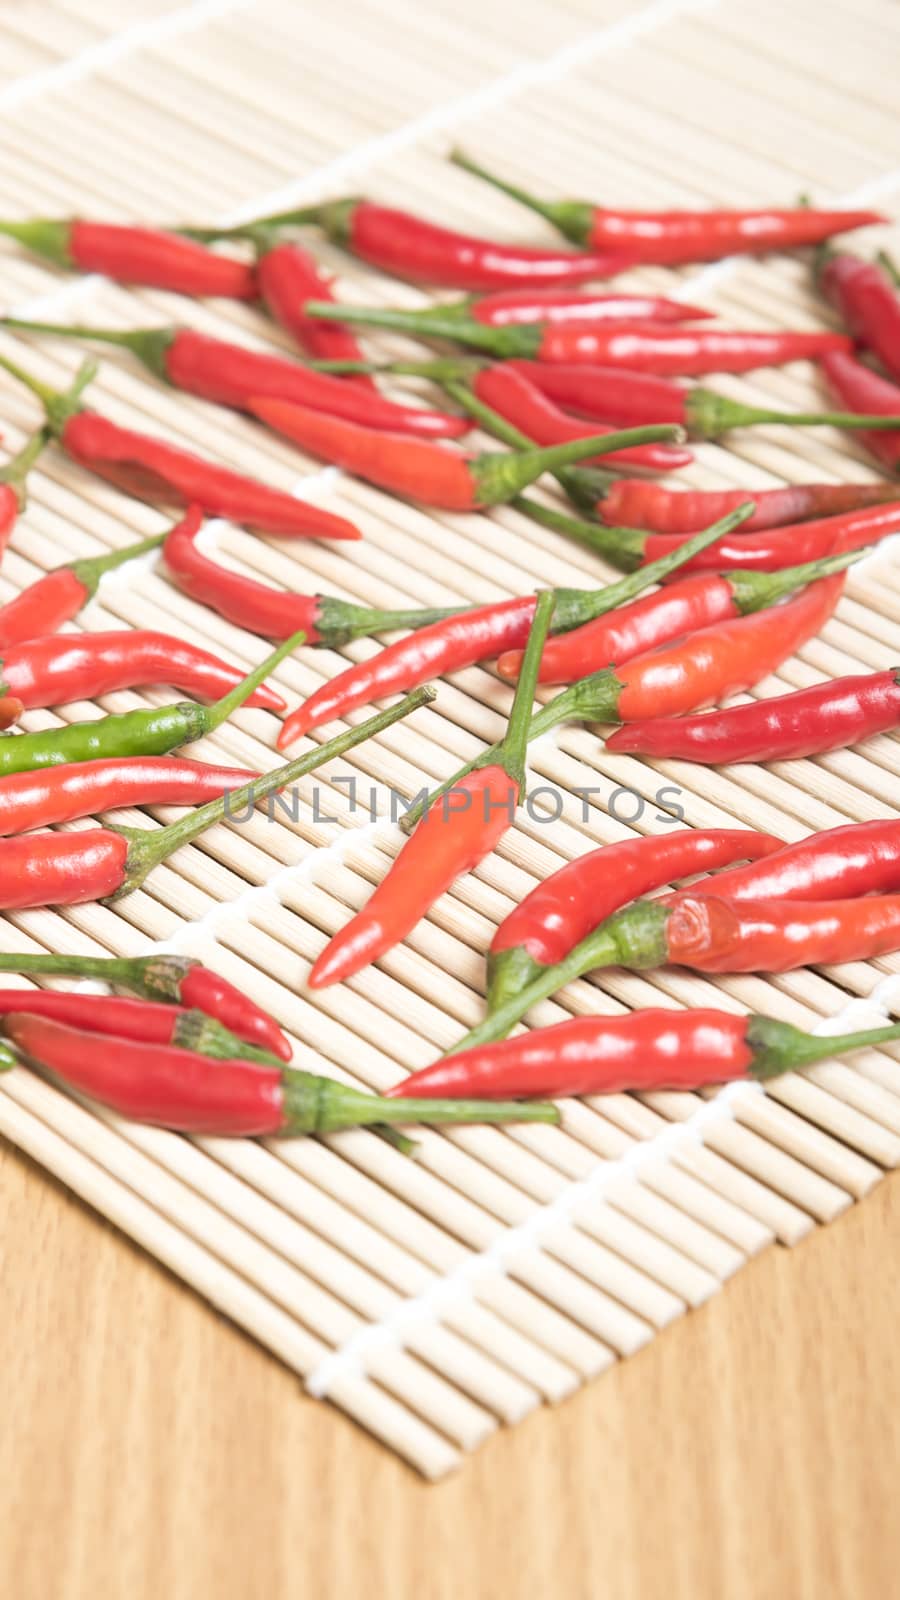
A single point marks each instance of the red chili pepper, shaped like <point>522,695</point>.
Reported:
<point>648,1050</point>
<point>828,716</point>
<point>57,597</point>
<point>146,1020</point>
<point>720,936</point>
<point>450,840</point>
<point>54,671</point>
<point>670,237</point>
<point>287,276</point>
<point>136,255</point>
<point>190,1093</point>
<point>768,551</point>
<point>633,504</point>
<point>476,635</point>
<point>838,864</point>
<point>862,389</point>
<point>273,612</point>
<point>233,376</point>
<point>12,484</point>
<point>520,402</point>
<point>511,306</point>
<point>154,470</point>
<point>657,619</point>
<point>407,246</point>
<point>638,347</point>
<point>867,299</point>
<point>420,470</point>
<point>10,711</point>
<point>562,910</point>
<point>50,869</point>
<point>170,980</point>
<point>37,799</point>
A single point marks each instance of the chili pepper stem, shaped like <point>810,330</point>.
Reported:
<point>90,569</point>
<point>583,484</point>
<point>221,710</point>
<point>321,1105</point>
<point>148,344</point>
<point>59,405</point>
<point>500,477</point>
<point>16,471</point>
<point>304,216</point>
<point>778,1047</point>
<point>44,236</point>
<point>521,339</point>
<point>889,265</point>
<point>511,753</point>
<point>147,849</point>
<point>571,217</point>
<point>709,415</point>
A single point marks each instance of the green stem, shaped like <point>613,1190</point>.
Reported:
<point>778,1047</point>
<point>8,1058</point>
<point>585,485</point>
<point>573,218</point>
<point>622,547</point>
<point>147,849</point>
<point>889,265</point>
<point>15,472</point>
<point>500,477</point>
<point>58,405</point>
<point>511,753</point>
<point>44,236</point>
<point>321,1105</point>
<point>328,214</point>
<point>149,345</point>
<point>338,620</point>
<point>709,415</point>
<point>756,591</point>
<point>90,569</point>
<point>518,339</point>
<point>221,710</point>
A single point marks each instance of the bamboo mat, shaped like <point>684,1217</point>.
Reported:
<point>436,1299</point>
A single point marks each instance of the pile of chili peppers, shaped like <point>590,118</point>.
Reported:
<point>722,587</point>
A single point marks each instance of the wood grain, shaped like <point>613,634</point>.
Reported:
<point>148,1448</point>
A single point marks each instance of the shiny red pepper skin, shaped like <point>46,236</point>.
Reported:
<point>154,470</point>
<point>513,306</point>
<point>44,606</point>
<point>204,990</point>
<point>608,394</point>
<point>522,403</point>
<point>234,376</point>
<point>779,547</point>
<point>450,839</point>
<point>100,1013</point>
<point>860,389</point>
<point>620,635</point>
<point>631,503</point>
<point>828,716</point>
<point>843,863</point>
<point>868,303</point>
<point>158,260</point>
<point>86,788</point>
<point>682,352</point>
<point>408,247</point>
<point>288,276</point>
<point>716,935</point>
<point>722,660</point>
<point>562,910</point>
<point>52,869</point>
<point>53,671</point>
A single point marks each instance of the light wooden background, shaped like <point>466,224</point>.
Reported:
<point>752,1451</point>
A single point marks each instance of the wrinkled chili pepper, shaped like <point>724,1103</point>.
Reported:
<point>148,732</point>
<point>84,788</point>
<point>828,716</point>
<point>522,403</point>
<point>419,469</point>
<point>647,1050</point>
<point>476,635</point>
<point>133,255</point>
<point>12,484</point>
<point>228,373</point>
<point>173,980</point>
<point>49,869</point>
<point>449,841</point>
<point>666,238</point>
<point>274,612</point>
<point>670,613</point>
<point>712,934</point>
<point>664,351</point>
<point>709,665</point>
<point>510,306</point>
<point>53,671</point>
<point>867,300</point>
<point>146,1020</point>
<point>862,389</point>
<point>837,864</point>
<point>769,551</point>
<point>287,276</point>
<point>562,910</point>
<point>631,503</point>
<point>60,594</point>
<point>409,247</point>
<point>151,469</point>
<point>190,1093</point>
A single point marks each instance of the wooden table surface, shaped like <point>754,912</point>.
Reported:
<point>148,1448</point>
